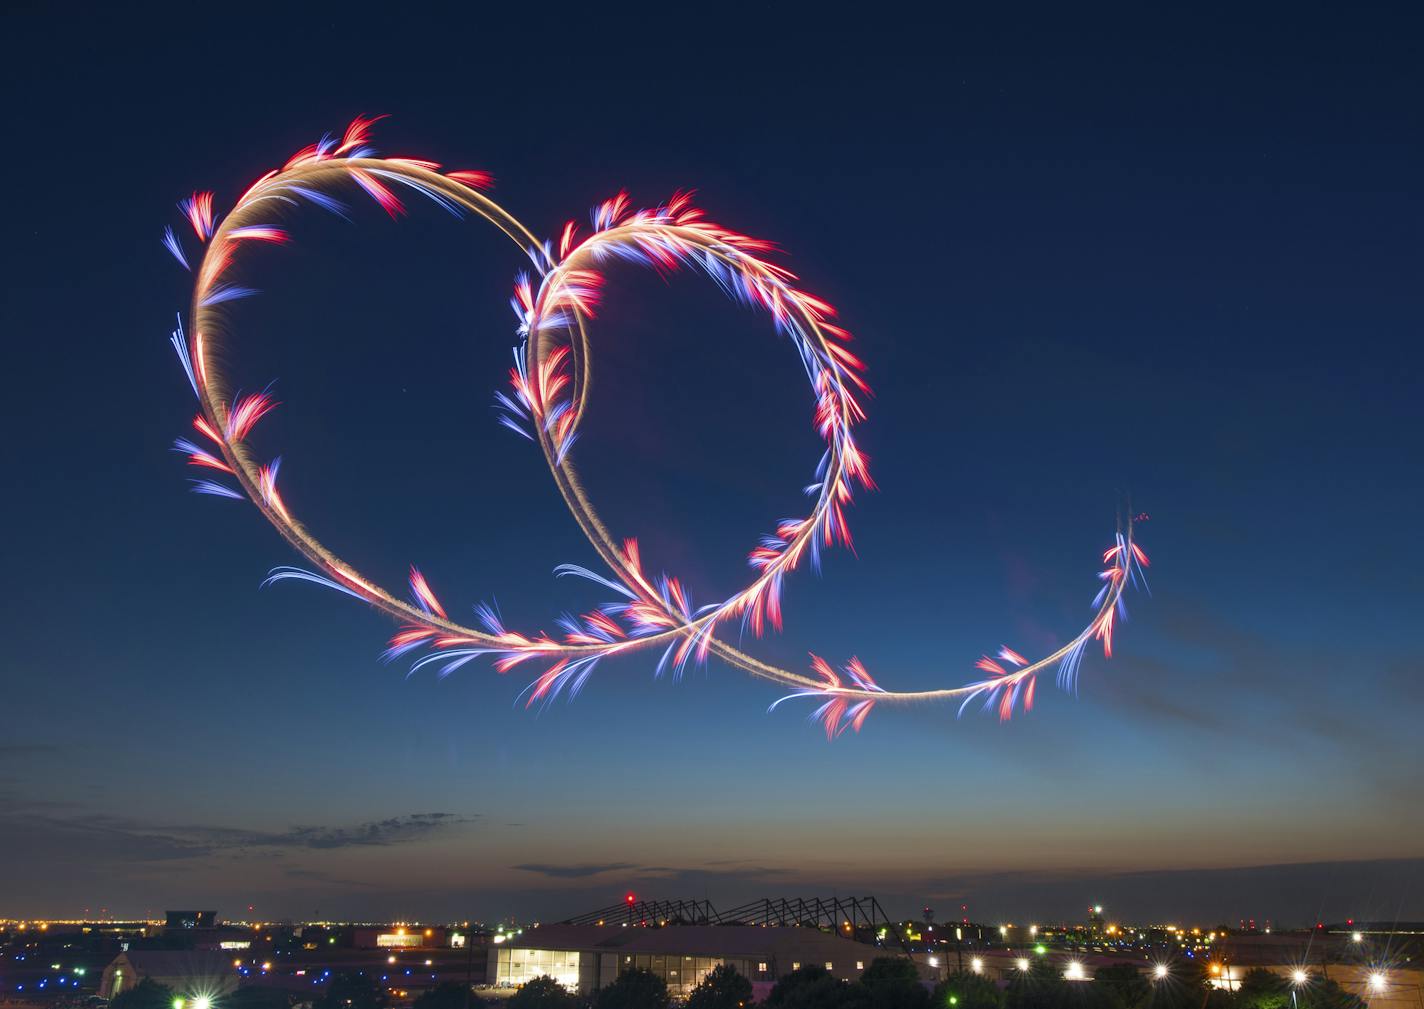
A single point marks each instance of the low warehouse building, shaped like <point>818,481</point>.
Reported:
<point>191,974</point>
<point>585,957</point>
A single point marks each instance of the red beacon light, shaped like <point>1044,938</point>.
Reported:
<point>630,898</point>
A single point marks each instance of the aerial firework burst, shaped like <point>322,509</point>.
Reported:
<point>545,402</point>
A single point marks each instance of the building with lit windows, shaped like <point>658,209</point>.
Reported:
<point>586,957</point>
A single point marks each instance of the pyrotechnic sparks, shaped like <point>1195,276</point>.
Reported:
<point>546,402</point>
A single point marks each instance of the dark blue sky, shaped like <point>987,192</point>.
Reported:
<point>1172,257</point>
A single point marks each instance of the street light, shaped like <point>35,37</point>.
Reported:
<point>1376,981</point>
<point>1356,936</point>
<point>976,965</point>
<point>1160,971</point>
<point>1299,976</point>
<point>1021,963</point>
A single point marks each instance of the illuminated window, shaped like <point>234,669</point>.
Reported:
<point>516,967</point>
<point>397,940</point>
<point>828,965</point>
<point>795,966</point>
<point>860,965</point>
<point>762,967</point>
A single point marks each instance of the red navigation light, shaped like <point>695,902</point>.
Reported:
<point>630,898</point>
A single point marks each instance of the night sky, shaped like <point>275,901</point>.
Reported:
<point>1165,263</point>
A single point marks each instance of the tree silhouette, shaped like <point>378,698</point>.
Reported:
<point>542,993</point>
<point>722,988</point>
<point>446,995</point>
<point>1126,981</point>
<point>352,991</point>
<point>147,994</point>
<point>966,990</point>
<point>254,997</point>
<point>893,982</point>
<point>633,989</point>
<point>813,987</point>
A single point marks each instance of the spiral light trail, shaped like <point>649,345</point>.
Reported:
<point>549,390</point>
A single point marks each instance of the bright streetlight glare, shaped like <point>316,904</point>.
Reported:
<point>1160,970</point>
<point>1376,981</point>
<point>976,965</point>
<point>1298,976</point>
<point>202,1002</point>
<point>1022,963</point>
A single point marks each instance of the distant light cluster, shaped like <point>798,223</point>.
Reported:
<point>546,401</point>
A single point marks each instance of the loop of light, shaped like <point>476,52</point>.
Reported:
<point>549,393</point>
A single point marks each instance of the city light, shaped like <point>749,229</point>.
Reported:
<point>1074,971</point>
<point>976,965</point>
<point>1160,971</point>
<point>1022,963</point>
<point>1377,981</point>
<point>202,1002</point>
<point>1298,976</point>
<point>1356,936</point>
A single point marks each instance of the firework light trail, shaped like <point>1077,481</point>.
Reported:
<point>545,402</point>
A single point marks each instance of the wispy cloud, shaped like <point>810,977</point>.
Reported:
<point>577,871</point>
<point>113,837</point>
